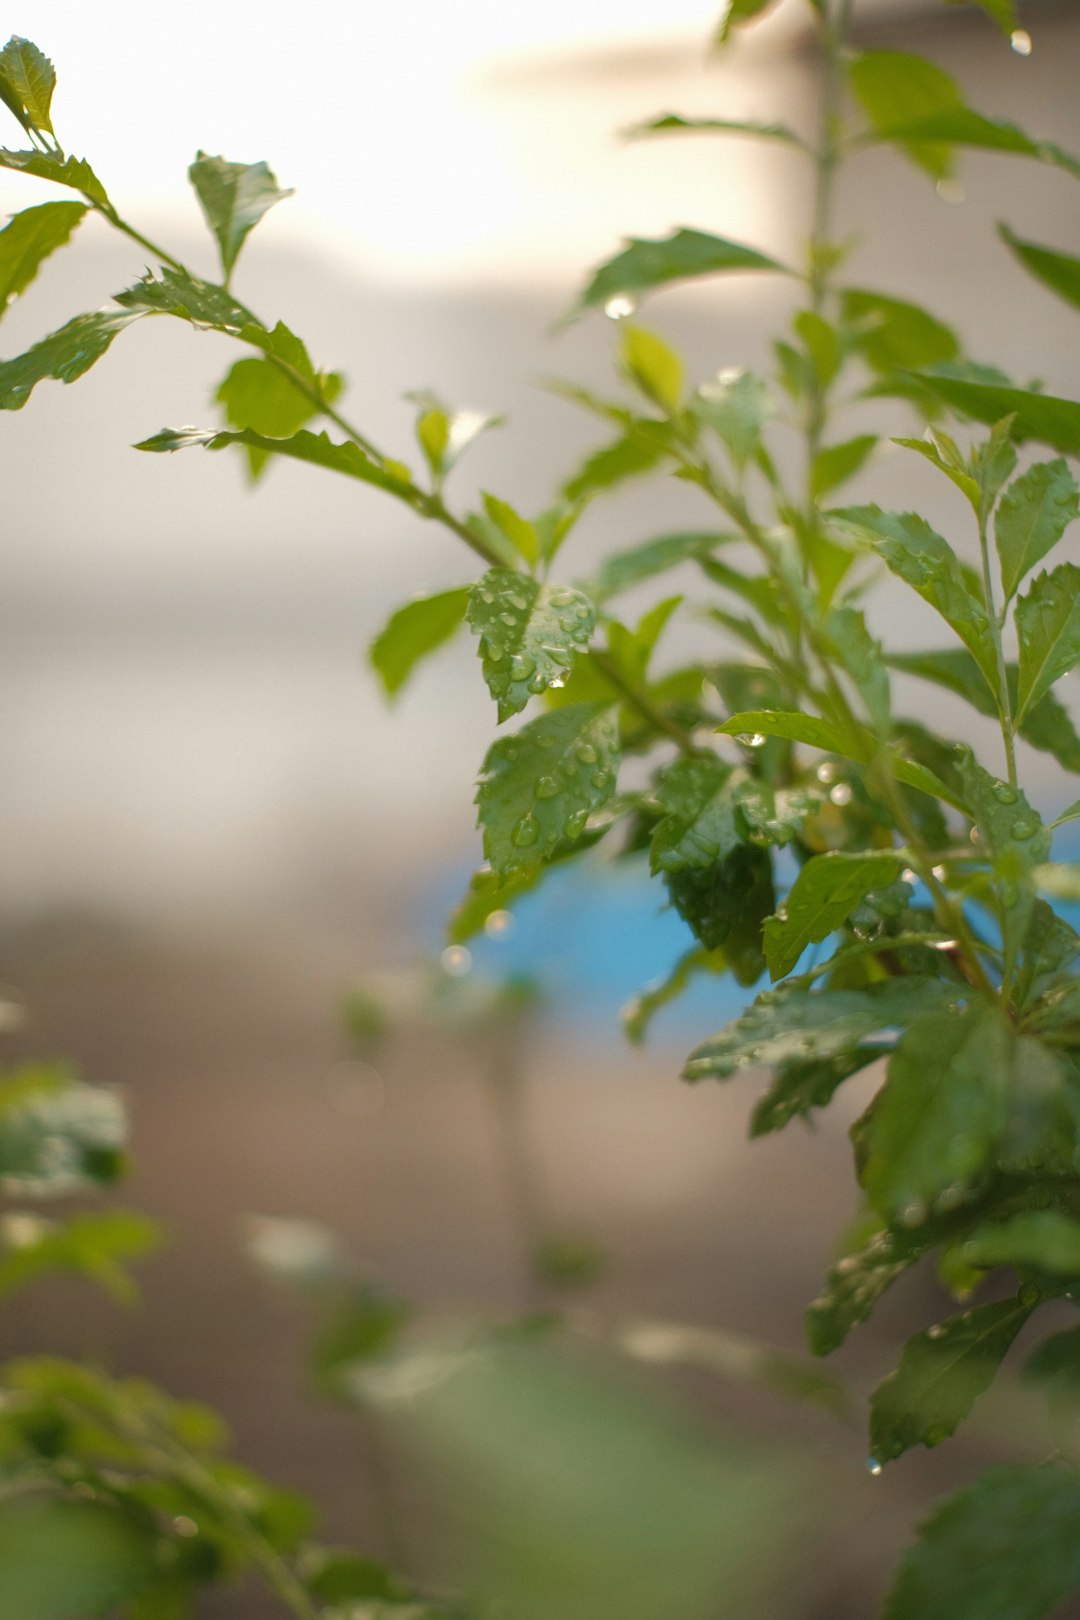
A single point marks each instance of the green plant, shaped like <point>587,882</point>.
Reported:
<point>896,890</point>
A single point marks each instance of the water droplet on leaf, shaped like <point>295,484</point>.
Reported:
<point>525,832</point>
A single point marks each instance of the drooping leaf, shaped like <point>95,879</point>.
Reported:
<point>529,634</point>
<point>538,787</point>
<point>645,263</point>
<point>1041,417</point>
<point>27,241</point>
<point>234,197</point>
<point>941,1374</point>
<point>837,463</point>
<point>257,393</point>
<point>676,124</point>
<point>823,896</point>
<point>64,355</point>
<point>1048,629</point>
<point>894,89</point>
<point>1006,1548</point>
<point>413,631</point>
<point>798,1087</point>
<point>854,1286</point>
<point>640,1010</point>
<point>317,448</point>
<point>725,903</point>
<point>203,303</point>
<point>737,13</point>
<point>926,562</point>
<point>794,1022</point>
<point>1058,271</point>
<point>1033,515</point>
<point>891,334</point>
<point>940,1116</point>
<point>68,171</point>
<point>28,79</point>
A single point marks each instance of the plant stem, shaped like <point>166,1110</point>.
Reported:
<point>643,703</point>
<point>1005,713</point>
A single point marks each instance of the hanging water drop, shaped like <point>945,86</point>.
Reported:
<point>1021,42</point>
<point>750,739</point>
<point>873,1466</point>
<point>619,306</point>
<point>455,961</point>
<point>841,794</point>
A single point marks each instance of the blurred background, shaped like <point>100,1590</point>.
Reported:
<point>212,824</point>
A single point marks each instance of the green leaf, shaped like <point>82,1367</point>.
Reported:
<point>895,89</point>
<point>257,394</point>
<point>654,366</point>
<point>414,631</point>
<point>701,822</point>
<point>64,355</point>
<point>94,1246</point>
<point>529,634</point>
<point>68,171</point>
<point>676,124</point>
<point>854,1286</point>
<point>940,1376</point>
<point>725,903</point>
<point>1034,513</point>
<point>1048,629</point>
<point>838,462</point>
<point>860,745</point>
<point>1058,271</point>
<point>444,434</point>
<point>203,303</point>
<point>28,240</point>
<point>613,464</point>
<point>57,1136</point>
<point>640,1010</point>
<point>891,334</point>
<point>925,561</point>
<point>795,1023</point>
<point>518,530</point>
<point>823,896</point>
<point>1055,1365</point>
<point>1003,12</point>
<point>315,448</point>
<point>1041,417</point>
<point>234,197</point>
<point>797,1087</point>
<point>1007,1548</point>
<point>857,652</point>
<point>737,13</point>
<point>935,1125</point>
<point>645,263</point>
<point>736,406</point>
<point>538,788</point>
<point>963,126</point>
<point>29,79</point>
<point>1041,1240</point>
<point>943,454</point>
<point>1047,726</point>
<point>66,1559</point>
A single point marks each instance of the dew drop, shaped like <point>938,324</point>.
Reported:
<point>185,1526</point>
<point>587,754</point>
<point>498,924</point>
<point>619,306</point>
<point>574,825</point>
<point>935,1332</point>
<point>547,788</point>
<point>826,772</point>
<point>873,1466</point>
<point>525,832</point>
<point>522,666</point>
<point>487,598</point>
<point>841,794</point>
<point>939,872</point>
<point>509,619</point>
<point>1021,42</point>
<point>1004,794</point>
<point>557,683</point>
<point>751,739</point>
<point>537,684</point>
<point>601,779</point>
<point>545,742</point>
<point>494,655</point>
<point>456,960</point>
<point>518,602</point>
<point>913,1214</point>
<point>1023,827</point>
<point>950,191</point>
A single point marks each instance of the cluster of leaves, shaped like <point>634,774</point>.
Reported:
<point>892,886</point>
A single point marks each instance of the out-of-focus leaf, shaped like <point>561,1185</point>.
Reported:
<point>95,1246</point>
<point>1041,417</point>
<point>64,355</point>
<point>1048,629</point>
<point>675,124</point>
<point>825,893</point>
<point>895,89</point>
<point>737,13</point>
<point>65,1559</point>
<point>645,263</point>
<point>892,334</point>
<point>413,632</point>
<point>1058,271</point>
<point>57,1136</point>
